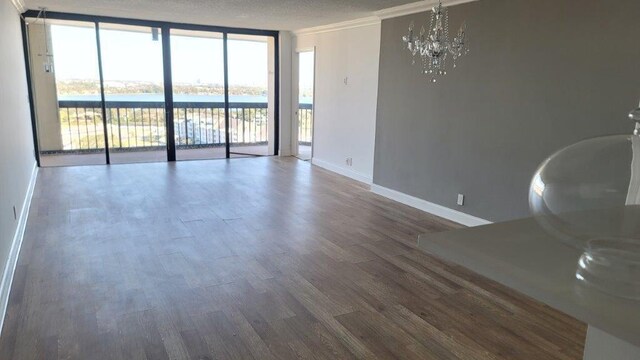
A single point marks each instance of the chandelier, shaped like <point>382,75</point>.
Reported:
<point>434,47</point>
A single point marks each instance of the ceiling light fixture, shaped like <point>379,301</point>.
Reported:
<point>433,47</point>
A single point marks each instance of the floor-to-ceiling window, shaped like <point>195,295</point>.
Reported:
<point>134,92</point>
<point>123,91</point>
<point>197,70</point>
<point>66,84</point>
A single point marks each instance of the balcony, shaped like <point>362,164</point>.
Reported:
<point>136,129</point>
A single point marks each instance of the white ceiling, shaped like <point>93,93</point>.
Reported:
<point>257,14</point>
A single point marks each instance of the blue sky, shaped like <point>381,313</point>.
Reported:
<point>134,56</point>
<point>306,64</point>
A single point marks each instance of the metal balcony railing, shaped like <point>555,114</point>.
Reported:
<point>305,124</point>
<point>138,125</point>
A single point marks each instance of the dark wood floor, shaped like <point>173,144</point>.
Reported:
<point>262,258</point>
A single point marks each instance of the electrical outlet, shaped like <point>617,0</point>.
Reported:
<point>349,161</point>
<point>461,199</point>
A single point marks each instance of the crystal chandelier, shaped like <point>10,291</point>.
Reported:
<point>433,48</point>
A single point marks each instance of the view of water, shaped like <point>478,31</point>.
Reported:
<point>176,98</point>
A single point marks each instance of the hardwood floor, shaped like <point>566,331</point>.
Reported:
<point>264,258</point>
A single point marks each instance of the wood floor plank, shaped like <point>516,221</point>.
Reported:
<point>265,258</point>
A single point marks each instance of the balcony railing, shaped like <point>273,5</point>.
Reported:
<point>137,125</point>
<point>305,124</point>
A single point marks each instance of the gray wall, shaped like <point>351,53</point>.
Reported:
<point>541,74</point>
<point>16,144</point>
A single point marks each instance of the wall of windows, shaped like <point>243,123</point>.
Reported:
<point>110,90</point>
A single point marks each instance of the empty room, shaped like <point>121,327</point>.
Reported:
<point>327,179</point>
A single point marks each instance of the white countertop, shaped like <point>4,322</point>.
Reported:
<point>522,256</point>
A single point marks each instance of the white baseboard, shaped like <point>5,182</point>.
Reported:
<point>342,171</point>
<point>435,209</point>
<point>12,261</point>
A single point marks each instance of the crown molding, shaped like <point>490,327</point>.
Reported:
<point>366,21</point>
<point>407,9</point>
<point>19,5</point>
<point>416,7</point>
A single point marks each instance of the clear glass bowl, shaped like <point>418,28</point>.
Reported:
<point>588,196</point>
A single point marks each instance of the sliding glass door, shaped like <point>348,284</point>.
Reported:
<point>251,95</point>
<point>197,70</point>
<point>105,90</point>
<point>134,93</point>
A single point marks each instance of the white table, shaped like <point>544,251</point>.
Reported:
<point>522,256</point>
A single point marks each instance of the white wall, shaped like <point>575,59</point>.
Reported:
<point>16,143</point>
<point>345,114</point>
<point>286,97</point>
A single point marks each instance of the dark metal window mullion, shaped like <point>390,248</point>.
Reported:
<point>168,93</point>
<point>27,63</point>
<point>102,96</point>
<point>276,110</point>
<point>225,54</point>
